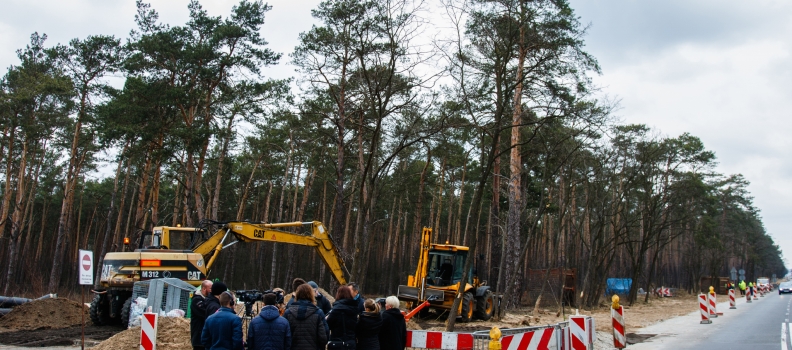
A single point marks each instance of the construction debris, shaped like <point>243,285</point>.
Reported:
<point>46,313</point>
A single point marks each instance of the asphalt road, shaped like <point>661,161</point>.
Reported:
<point>751,326</point>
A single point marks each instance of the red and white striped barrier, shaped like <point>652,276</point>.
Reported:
<point>148,331</point>
<point>579,333</point>
<point>542,339</point>
<point>619,339</point>
<point>754,294</point>
<point>713,305</point>
<point>663,292</point>
<point>747,295</point>
<point>732,302</point>
<point>439,340</point>
<point>704,309</point>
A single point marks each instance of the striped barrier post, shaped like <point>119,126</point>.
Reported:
<point>542,339</point>
<point>704,309</point>
<point>762,292</point>
<point>753,291</point>
<point>578,333</point>
<point>732,302</point>
<point>712,303</point>
<point>148,331</point>
<point>439,340</point>
<point>617,317</point>
<point>748,295</point>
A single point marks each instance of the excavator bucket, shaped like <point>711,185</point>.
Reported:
<point>407,293</point>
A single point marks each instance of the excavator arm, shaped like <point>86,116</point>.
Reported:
<point>319,238</point>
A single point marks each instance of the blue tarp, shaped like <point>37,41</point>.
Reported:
<point>618,286</point>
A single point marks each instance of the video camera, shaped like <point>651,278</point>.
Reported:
<point>249,297</point>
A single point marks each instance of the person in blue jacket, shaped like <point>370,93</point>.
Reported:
<point>223,330</point>
<point>269,331</point>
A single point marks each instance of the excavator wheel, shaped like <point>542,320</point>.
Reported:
<point>468,306</point>
<point>125,312</point>
<point>98,312</point>
<point>485,306</point>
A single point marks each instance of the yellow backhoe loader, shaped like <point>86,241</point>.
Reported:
<point>437,279</point>
<point>187,254</point>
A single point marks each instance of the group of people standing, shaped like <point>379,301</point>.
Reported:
<point>307,322</point>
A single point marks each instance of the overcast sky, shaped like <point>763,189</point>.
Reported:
<point>720,70</point>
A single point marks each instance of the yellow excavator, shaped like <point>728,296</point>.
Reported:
<point>437,279</point>
<point>188,254</point>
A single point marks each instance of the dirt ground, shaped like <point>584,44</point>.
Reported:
<point>56,337</point>
<point>637,316</point>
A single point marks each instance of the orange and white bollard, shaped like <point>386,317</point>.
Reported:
<point>617,315</point>
<point>712,302</point>
<point>704,309</point>
<point>732,302</point>
<point>754,293</point>
<point>747,295</point>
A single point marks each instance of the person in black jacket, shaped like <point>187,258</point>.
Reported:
<point>211,301</point>
<point>321,301</point>
<point>393,334</point>
<point>308,325</point>
<point>198,314</point>
<point>342,320</point>
<point>368,327</point>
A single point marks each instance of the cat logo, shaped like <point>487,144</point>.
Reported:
<point>258,233</point>
<point>194,275</point>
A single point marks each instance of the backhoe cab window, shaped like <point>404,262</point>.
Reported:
<point>445,269</point>
<point>179,240</point>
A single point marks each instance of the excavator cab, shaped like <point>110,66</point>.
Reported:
<point>445,268</point>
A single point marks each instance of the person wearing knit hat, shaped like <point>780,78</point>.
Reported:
<point>321,301</point>
<point>211,302</point>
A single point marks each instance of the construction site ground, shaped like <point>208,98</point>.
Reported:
<point>57,335</point>
<point>641,314</point>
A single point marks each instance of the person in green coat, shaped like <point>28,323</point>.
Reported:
<point>742,288</point>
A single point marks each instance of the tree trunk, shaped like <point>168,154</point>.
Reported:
<point>419,204</point>
<point>243,200</point>
<point>117,232</point>
<point>16,219</point>
<point>511,257</point>
<point>108,236</point>
<point>7,191</point>
<point>218,180</point>
<point>273,274</point>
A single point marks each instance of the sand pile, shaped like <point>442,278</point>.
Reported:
<point>326,294</point>
<point>47,313</point>
<point>173,333</point>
